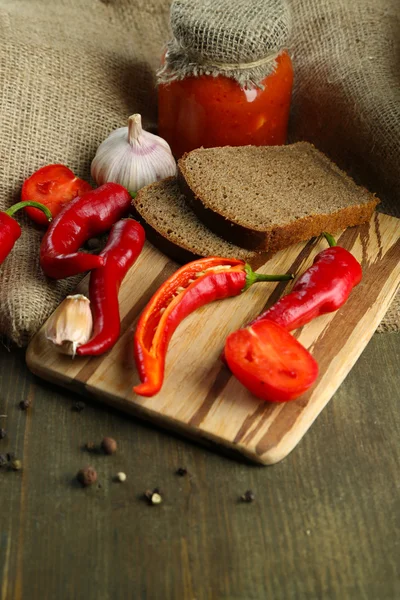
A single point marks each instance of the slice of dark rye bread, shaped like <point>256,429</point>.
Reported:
<point>174,228</point>
<point>270,197</point>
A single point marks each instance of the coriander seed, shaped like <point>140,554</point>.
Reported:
<point>109,445</point>
<point>87,476</point>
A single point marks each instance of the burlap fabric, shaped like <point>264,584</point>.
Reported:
<point>70,72</point>
<point>237,38</point>
<point>73,70</point>
<point>346,98</point>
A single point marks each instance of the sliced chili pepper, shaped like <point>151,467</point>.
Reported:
<point>195,284</point>
<point>85,217</point>
<point>54,186</point>
<point>323,288</point>
<point>124,245</point>
<point>270,362</point>
<point>10,230</point>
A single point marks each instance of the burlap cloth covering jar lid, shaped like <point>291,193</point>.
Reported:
<point>240,39</point>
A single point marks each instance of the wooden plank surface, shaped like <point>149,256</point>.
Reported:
<point>199,396</point>
<point>324,524</point>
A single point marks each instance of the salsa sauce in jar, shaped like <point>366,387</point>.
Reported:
<point>216,111</point>
<point>226,76</point>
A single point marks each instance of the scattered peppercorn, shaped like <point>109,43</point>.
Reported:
<point>90,446</point>
<point>24,404</point>
<point>79,406</point>
<point>3,433</point>
<point>3,460</point>
<point>181,472</point>
<point>93,244</point>
<point>16,465</point>
<point>153,497</point>
<point>120,477</point>
<point>10,456</point>
<point>248,496</point>
<point>109,445</point>
<point>87,476</point>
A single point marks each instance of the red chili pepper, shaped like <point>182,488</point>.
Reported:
<point>85,217</point>
<point>10,230</point>
<point>195,284</point>
<point>54,186</point>
<point>124,245</point>
<point>323,288</point>
<point>270,362</point>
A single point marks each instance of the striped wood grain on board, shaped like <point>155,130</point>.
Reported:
<point>200,398</point>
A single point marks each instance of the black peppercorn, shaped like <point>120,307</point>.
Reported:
<point>109,445</point>
<point>24,404</point>
<point>3,433</point>
<point>181,472</point>
<point>3,460</point>
<point>87,476</point>
<point>248,496</point>
<point>10,456</point>
<point>79,406</point>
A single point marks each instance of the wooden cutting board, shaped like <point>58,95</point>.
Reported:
<point>200,397</point>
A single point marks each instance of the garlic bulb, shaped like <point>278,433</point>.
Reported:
<point>133,157</point>
<point>70,325</point>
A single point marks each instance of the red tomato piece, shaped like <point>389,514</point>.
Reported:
<point>270,362</point>
<point>54,186</point>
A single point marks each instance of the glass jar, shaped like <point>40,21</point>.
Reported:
<point>215,111</point>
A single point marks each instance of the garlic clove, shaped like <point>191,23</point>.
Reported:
<point>133,157</point>
<point>70,325</point>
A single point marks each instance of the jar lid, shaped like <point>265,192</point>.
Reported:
<point>240,39</point>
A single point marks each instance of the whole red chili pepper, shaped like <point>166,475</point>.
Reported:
<point>10,230</point>
<point>124,245</point>
<point>323,288</point>
<point>84,217</point>
<point>195,284</point>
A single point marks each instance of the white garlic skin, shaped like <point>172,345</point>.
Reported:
<point>133,157</point>
<point>70,325</point>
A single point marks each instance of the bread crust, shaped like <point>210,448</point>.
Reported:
<point>276,237</point>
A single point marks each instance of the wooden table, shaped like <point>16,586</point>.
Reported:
<point>324,525</point>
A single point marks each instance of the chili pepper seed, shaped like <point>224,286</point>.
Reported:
<point>120,477</point>
<point>248,496</point>
<point>109,445</point>
<point>87,476</point>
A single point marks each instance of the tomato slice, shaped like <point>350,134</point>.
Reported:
<point>270,362</point>
<point>54,186</point>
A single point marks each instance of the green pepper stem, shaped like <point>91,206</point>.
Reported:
<point>330,239</point>
<point>132,194</point>
<point>252,277</point>
<point>13,209</point>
